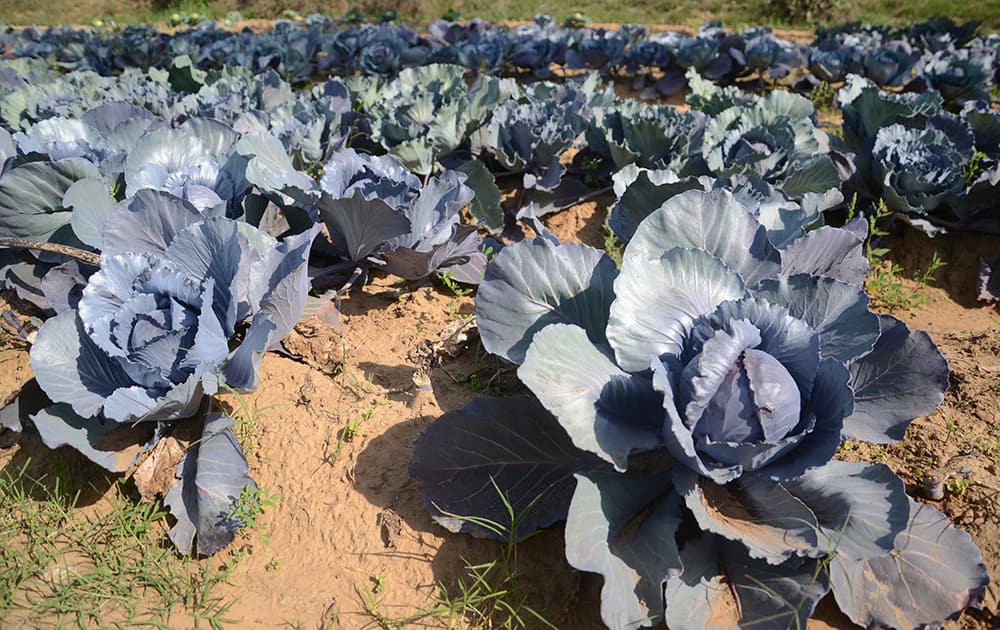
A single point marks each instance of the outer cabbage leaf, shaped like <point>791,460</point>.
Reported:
<point>111,445</point>
<point>836,310</point>
<point>722,587</point>
<point>603,409</point>
<point>212,481</point>
<point>31,199</point>
<point>533,283</point>
<point>904,377</point>
<point>859,508</point>
<point>623,527</point>
<point>512,442</point>
<point>712,221</point>
<point>933,573</point>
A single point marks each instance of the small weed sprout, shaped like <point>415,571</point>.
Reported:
<point>247,414</point>
<point>253,502</point>
<point>590,165</point>
<point>612,245</point>
<point>958,486</point>
<point>489,596</point>
<point>822,96</point>
<point>885,282</point>
<point>977,166</point>
<point>348,433</point>
<point>448,280</point>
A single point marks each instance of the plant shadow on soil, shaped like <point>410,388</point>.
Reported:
<point>963,253</point>
<point>567,598</point>
<point>62,473</point>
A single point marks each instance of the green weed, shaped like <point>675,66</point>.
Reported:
<point>822,97</point>
<point>348,433</point>
<point>449,281</point>
<point>254,501</point>
<point>976,167</point>
<point>958,486</point>
<point>247,414</point>
<point>612,245</point>
<point>886,283</point>
<point>887,288</point>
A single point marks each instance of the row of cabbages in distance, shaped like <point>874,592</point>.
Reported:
<point>936,53</point>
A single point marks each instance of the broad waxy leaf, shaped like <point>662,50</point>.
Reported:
<point>837,311</point>
<point>826,251</point>
<point>212,480</point>
<point>534,283</point>
<point>109,444</point>
<point>933,573</point>
<point>623,527</point>
<point>753,511</point>
<point>92,204</point>
<point>31,198</point>
<point>642,196</point>
<point>365,224</point>
<point>904,377</point>
<point>722,588</point>
<point>859,508</point>
<point>71,368</point>
<point>485,206</point>
<point>269,167</point>
<point>147,222</point>
<point>513,442</point>
<point>604,410</point>
<point>711,221</point>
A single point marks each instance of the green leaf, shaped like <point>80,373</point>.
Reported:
<point>485,205</point>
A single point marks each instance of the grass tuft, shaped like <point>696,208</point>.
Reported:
<point>106,565</point>
<point>490,594</point>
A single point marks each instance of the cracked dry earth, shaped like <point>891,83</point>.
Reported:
<point>332,434</point>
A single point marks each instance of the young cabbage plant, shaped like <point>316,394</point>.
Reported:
<point>529,138</point>
<point>776,139</point>
<point>935,168</point>
<point>657,137</point>
<point>376,211</point>
<point>708,384</point>
<point>426,113</point>
<point>921,169</point>
<point>959,75</point>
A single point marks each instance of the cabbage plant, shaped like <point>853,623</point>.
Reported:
<point>377,213</point>
<point>776,139</point>
<point>890,63</point>
<point>685,415</point>
<point>921,169</point>
<point>376,207</point>
<point>959,75</point>
<point>529,138</point>
<point>426,113</point>
<point>650,136</point>
<point>181,307</point>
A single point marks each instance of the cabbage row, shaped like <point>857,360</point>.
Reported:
<point>173,223</point>
<point>937,53</point>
